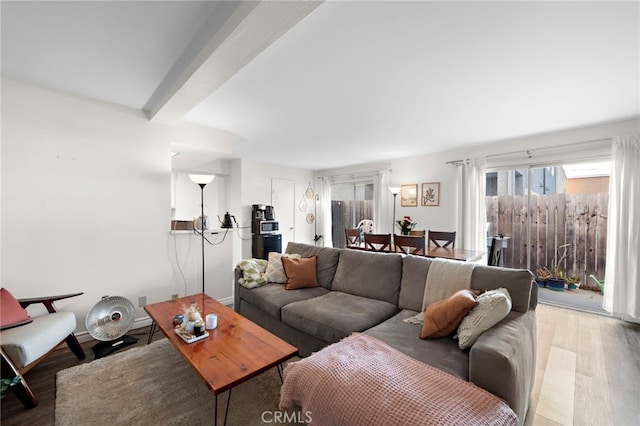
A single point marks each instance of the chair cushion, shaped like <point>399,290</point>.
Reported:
<point>29,342</point>
<point>11,313</point>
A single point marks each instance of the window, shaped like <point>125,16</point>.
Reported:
<point>350,203</point>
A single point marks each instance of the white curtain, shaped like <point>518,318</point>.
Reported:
<point>382,204</point>
<point>324,212</point>
<point>471,231</point>
<point>622,279</point>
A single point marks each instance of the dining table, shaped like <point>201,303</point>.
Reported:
<point>465,255</point>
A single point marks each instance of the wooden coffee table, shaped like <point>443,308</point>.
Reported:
<point>234,352</point>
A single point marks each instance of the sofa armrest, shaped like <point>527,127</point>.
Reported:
<point>502,360</point>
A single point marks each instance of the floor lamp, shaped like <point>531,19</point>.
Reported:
<point>202,181</point>
<point>395,190</point>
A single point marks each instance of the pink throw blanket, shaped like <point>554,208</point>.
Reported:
<point>363,381</point>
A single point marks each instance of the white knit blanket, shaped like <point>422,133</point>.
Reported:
<point>445,277</point>
<point>363,381</point>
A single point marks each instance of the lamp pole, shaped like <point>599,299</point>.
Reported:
<point>202,181</point>
<point>202,185</point>
<point>394,190</point>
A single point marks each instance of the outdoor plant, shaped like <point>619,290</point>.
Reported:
<point>556,272</point>
<point>406,225</point>
<point>543,274</point>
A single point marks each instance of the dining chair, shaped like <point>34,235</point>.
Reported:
<point>377,242</point>
<point>495,253</point>
<point>352,236</point>
<point>28,340</point>
<point>409,244</point>
<point>419,233</point>
<point>442,239</point>
<point>365,226</point>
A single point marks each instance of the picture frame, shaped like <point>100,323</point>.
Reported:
<point>409,195</point>
<point>430,194</point>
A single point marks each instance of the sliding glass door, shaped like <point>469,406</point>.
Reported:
<point>553,217</point>
<point>350,203</point>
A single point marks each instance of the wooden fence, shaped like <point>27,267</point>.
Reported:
<point>577,219</point>
<point>344,216</point>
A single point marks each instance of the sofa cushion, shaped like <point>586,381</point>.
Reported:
<point>443,317</point>
<point>271,297</point>
<point>414,277</point>
<point>518,282</point>
<point>336,315</point>
<point>301,273</point>
<point>326,260</point>
<point>442,353</point>
<point>491,308</point>
<point>369,274</point>
<point>275,271</point>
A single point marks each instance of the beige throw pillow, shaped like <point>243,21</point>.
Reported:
<point>491,308</point>
<point>275,271</point>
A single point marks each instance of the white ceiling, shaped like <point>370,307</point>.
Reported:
<point>352,82</point>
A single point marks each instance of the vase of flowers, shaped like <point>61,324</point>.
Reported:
<point>406,225</point>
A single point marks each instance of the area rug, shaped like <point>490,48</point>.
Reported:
<point>154,385</point>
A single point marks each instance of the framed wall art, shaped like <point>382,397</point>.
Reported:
<point>431,194</point>
<point>409,195</point>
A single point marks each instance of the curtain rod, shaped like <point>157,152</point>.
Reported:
<point>529,153</point>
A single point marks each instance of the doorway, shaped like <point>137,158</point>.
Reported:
<point>554,218</point>
<point>283,202</point>
<point>350,203</point>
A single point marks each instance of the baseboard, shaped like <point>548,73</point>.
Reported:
<point>84,336</point>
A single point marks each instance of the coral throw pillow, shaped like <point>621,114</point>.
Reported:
<point>301,273</point>
<point>11,313</point>
<point>443,317</point>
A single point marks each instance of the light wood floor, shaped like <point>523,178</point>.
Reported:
<point>587,370</point>
<point>588,373</point>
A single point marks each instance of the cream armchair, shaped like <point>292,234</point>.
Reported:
<point>26,343</point>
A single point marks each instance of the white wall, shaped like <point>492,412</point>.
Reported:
<point>255,178</point>
<point>419,170</point>
<point>86,205</point>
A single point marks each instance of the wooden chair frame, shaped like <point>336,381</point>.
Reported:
<point>352,236</point>
<point>377,242</point>
<point>436,237</point>
<point>21,389</point>
<point>410,244</point>
<point>495,253</point>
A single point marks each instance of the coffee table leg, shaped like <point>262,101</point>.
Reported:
<point>151,332</point>
<point>226,411</point>
<point>279,367</point>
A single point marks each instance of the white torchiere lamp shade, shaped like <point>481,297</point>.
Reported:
<point>395,190</point>
<point>201,179</point>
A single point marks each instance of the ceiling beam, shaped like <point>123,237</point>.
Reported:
<point>251,27</point>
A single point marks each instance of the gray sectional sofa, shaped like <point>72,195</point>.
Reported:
<point>369,292</point>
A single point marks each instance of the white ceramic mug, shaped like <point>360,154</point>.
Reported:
<point>211,322</point>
